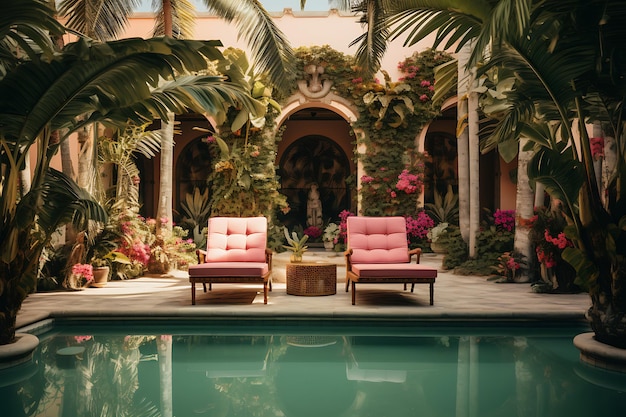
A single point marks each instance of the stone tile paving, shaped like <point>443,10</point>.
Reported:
<point>168,296</point>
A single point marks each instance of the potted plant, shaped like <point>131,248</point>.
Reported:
<point>102,267</point>
<point>102,252</point>
<point>331,236</point>
<point>435,235</point>
<point>296,245</point>
<point>548,239</point>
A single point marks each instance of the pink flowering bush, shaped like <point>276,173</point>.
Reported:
<point>410,183</point>
<point>170,247</point>
<point>385,193</point>
<point>508,266</point>
<point>547,236</point>
<point>417,229</point>
<point>343,227</point>
<point>82,275</point>
<point>548,239</point>
<point>313,232</point>
<point>505,219</point>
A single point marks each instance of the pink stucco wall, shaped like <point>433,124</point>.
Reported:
<point>334,28</point>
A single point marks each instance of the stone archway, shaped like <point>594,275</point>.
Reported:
<point>314,159</point>
<point>193,166</point>
<point>441,166</point>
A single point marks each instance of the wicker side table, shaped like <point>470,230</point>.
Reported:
<point>311,279</point>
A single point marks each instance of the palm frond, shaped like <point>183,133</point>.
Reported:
<point>562,176</point>
<point>94,79</point>
<point>61,202</point>
<point>209,95</point>
<point>452,21</point>
<point>270,48</point>
<point>372,43</point>
<point>446,79</point>
<point>101,20</point>
<point>26,26</point>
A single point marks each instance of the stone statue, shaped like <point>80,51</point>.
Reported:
<point>314,208</point>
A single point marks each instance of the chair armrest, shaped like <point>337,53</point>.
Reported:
<point>417,252</point>
<point>268,257</point>
<point>201,254</point>
<point>348,255</point>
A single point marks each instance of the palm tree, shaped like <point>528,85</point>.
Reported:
<point>566,57</point>
<point>271,52</point>
<point>569,69</point>
<point>472,27</point>
<point>40,93</point>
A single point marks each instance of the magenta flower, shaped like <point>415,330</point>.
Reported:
<point>313,232</point>
<point>83,270</point>
<point>505,219</point>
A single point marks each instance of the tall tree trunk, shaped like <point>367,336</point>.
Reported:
<point>85,159</point>
<point>167,143</point>
<point>474,170</point>
<point>167,18</point>
<point>463,145</point>
<point>524,209</point>
<point>167,157</point>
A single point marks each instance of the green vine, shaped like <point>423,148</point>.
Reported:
<point>243,181</point>
<point>391,117</point>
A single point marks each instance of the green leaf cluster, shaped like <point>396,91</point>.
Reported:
<point>295,243</point>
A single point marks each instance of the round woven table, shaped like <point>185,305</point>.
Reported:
<point>307,278</point>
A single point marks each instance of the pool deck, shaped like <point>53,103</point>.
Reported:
<point>169,296</point>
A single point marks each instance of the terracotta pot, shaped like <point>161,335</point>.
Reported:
<point>100,276</point>
<point>438,247</point>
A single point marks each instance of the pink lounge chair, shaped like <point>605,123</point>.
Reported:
<point>378,252</point>
<point>236,253</point>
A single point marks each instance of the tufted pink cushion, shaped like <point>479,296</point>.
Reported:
<point>233,239</point>
<point>377,240</point>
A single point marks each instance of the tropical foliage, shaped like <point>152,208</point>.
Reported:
<point>111,83</point>
<point>557,67</point>
<point>391,115</point>
<point>569,73</point>
<point>548,238</point>
<point>243,181</point>
<point>106,20</point>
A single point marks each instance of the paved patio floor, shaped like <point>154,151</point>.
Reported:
<point>169,296</point>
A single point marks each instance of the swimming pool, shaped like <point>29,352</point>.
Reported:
<point>300,369</point>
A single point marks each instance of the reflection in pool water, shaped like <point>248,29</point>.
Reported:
<point>300,371</point>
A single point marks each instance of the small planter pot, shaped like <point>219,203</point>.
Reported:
<point>329,245</point>
<point>100,276</point>
<point>438,247</point>
<point>295,257</point>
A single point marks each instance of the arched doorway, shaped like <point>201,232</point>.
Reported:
<point>314,159</point>
<point>193,166</point>
<point>441,167</point>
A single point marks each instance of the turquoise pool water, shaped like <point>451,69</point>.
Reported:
<point>301,369</point>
